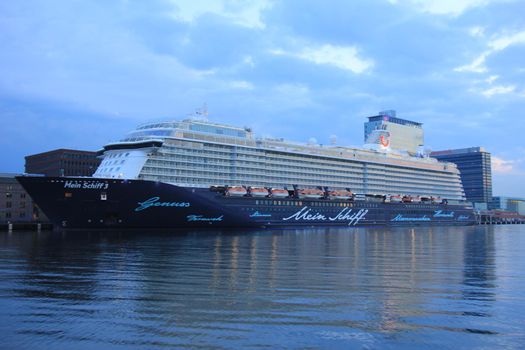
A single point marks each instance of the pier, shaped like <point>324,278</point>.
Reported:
<point>499,217</point>
<point>26,226</point>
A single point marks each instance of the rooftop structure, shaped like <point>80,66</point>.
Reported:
<point>405,135</point>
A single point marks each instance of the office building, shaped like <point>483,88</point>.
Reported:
<point>513,204</point>
<point>62,162</point>
<point>475,167</point>
<point>15,203</point>
<point>405,135</point>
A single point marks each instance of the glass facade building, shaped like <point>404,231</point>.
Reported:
<point>405,135</point>
<point>474,165</point>
<point>514,204</point>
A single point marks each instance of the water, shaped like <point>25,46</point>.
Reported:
<point>422,288</point>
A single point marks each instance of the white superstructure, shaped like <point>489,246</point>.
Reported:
<point>199,153</point>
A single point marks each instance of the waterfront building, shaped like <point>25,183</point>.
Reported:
<point>474,165</point>
<point>405,135</point>
<point>511,204</point>
<point>15,203</point>
<point>62,162</point>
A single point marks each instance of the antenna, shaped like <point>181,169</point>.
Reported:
<point>202,113</point>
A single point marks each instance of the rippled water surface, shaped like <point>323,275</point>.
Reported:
<point>455,288</point>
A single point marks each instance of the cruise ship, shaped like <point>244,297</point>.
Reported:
<point>197,173</point>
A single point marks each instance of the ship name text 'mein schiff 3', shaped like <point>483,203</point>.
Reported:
<point>195,173</point>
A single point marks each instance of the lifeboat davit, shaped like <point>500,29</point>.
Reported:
<point>342,194</point>
<point>426,199</point>
<point>310,193</point>
<point>236,191</point>
<point>258,191</point>
<point>279,193</point>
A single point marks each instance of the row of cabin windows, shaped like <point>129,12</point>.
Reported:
<point>314,204</point>
<point>10,205</point>
<point>10,195</point>
<point>9,215</point>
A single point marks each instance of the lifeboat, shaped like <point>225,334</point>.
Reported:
<point>258,191</point>
<point>279,193</point>
<point>395,198</point>
<point>310,193</point>
<point>344,194</point>
<point>406,199</point>
<point>236,191</point>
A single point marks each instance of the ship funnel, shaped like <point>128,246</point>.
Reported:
<point>378,140</point>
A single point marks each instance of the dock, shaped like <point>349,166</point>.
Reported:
<point>499,217</point>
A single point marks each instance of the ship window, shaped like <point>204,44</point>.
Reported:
<point>68,194</point>
<point>103,196</point>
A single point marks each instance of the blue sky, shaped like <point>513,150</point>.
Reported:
<point>79,74</point>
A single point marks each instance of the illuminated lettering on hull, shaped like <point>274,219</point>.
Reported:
<point>347,214</point>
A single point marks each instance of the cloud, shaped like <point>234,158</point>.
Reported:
<point>477,66</point>
<point>476,31</point>
<point>491,79</point>
<point>505,41</point>
<point>243,13</point>
<point>241,84</point>
<point>342,57</point>
<point>502,166</point>
<point>498,90</point>
<point>495,45</point>
<point>442,7</point>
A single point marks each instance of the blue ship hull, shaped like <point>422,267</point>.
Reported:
<point>87,203</point>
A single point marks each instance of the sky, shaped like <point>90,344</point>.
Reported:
<point>79,74</point>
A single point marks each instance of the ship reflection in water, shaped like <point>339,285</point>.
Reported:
<point>333,288</point>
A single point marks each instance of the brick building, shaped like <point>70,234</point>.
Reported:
<point>15,203</point>
<point>62,162</point>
